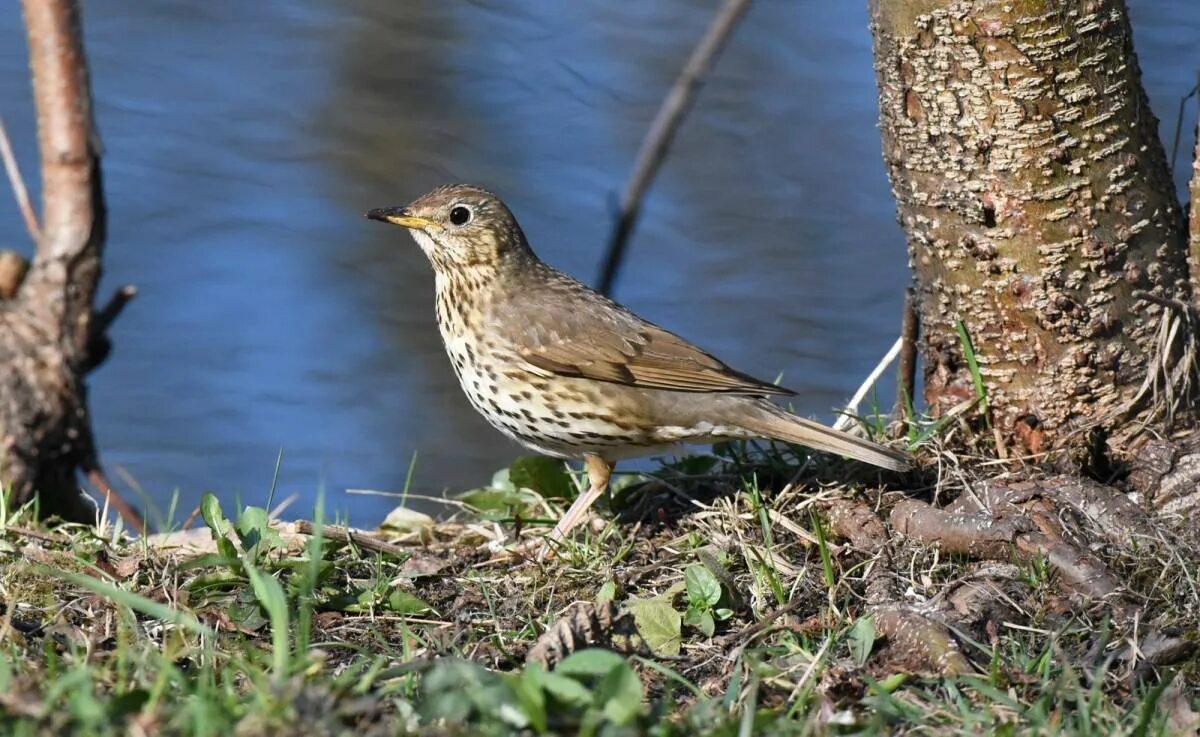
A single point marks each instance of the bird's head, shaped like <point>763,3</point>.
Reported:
<point>459,226</point>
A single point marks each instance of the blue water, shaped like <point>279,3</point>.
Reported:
<point>244,141</point>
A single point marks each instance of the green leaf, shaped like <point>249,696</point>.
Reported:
<point>658,624</point>
<point>823,547</point>
<point>211,560</point>
<point>227,549</point>
<point>501,481</point>
<point>607,592</point>
<point>861,639</point>
<point>402,602</point>
<point>619,694</point>
<point>214,519</point>
<point>255,531</point>
<point>546,476</point>
<point>592,661</point>
<point>701,619</point>
<point>707,625</point>
<point>528,687</point>
<point>968,349</point>
<point>270,595</point>
<point>567,690</point>
<point>210,511</point>
<point>243,609</point>
<point>703,589</point>
<point>494,500</point>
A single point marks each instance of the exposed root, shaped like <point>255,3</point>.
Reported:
<point>1167,474</point>
<point>918,636</point>
<point>1112,513</point>
<point>1004,537</point>
<point>978,535</point>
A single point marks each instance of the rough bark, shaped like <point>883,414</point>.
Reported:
<point>1037,204</point>
<point>1194,215</point>
<point>48,339</point>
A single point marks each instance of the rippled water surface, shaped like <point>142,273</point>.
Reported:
<point>244,140</point>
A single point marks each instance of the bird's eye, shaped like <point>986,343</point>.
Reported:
<point>460,215</point>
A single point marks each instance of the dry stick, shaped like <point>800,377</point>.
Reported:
<point>662,130</point>
<point>341,534</point>
<point>48,537</point>
<point>18,185</point>
<point>105,316</point>
<point>1179,122</point>
<point>848,415</point>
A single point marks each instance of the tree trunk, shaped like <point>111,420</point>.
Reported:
<point>49,336</point>
<point>1038,207</point>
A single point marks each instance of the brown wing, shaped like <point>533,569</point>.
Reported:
<point>576,332</point>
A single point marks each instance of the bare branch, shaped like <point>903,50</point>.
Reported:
<point>109,312</point>
<point>18,185</point>
<point>662,131</point>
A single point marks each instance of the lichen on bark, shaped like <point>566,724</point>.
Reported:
<point>1036,200</point>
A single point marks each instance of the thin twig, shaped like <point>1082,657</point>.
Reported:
<point>850,412</point>
<point>1179,121</point>
<point>18,185</point>
<point>48,537</point>
<point>105,316</point>
<point>341,534</point>
<point>662,131</point>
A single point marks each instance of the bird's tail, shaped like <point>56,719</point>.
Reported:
<point>773,422</point>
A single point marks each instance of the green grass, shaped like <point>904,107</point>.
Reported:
<point>745,618</point>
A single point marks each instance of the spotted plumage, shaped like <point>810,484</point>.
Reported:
<point>572,374</point>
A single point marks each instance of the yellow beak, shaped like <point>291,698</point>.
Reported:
<point>400,216</point>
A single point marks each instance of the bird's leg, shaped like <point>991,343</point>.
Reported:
<point>599,471</point>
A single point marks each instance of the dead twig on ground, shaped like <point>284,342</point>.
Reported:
<point>340,534</point>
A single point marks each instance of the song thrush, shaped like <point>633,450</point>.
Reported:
<point>568,372</point>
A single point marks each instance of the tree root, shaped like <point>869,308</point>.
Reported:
<point>908,632</point>
<point>1017,530</point>
<point>918,636</point>
<point>982,535</point>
